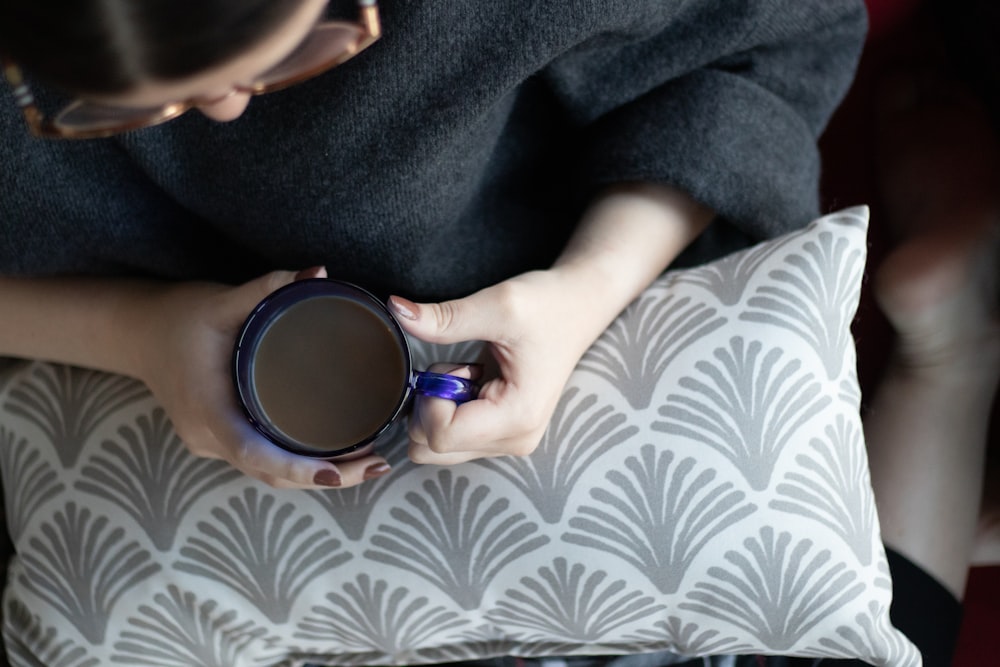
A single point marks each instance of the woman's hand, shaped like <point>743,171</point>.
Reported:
<point>537,330</point>
<point>538,325</point>
<point>185,335</point>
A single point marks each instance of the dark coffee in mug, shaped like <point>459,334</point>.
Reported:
<point>322,368</point>
<point>328,372</point>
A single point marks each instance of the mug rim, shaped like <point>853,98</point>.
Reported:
<point>252,332</point>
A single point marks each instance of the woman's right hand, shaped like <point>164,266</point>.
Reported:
<point>186,333</point>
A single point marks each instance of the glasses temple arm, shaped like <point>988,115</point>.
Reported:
<point>23,98</point>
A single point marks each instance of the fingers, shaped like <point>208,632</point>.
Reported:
<point>511,413</point>
<point>477,317</point>
<point>249,294</point>
<point>311,272</point>
<point>443,433</point>
<point>235,440</point>
<point>499,423</point>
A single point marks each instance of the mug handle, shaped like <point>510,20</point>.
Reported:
<point>442,385</point>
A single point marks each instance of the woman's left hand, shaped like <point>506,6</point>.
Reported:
<point>536,328</point>
<point>538,325</point>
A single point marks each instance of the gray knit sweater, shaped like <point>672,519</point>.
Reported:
<point>457,151</point>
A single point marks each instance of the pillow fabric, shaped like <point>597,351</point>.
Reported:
<point>702,488</point>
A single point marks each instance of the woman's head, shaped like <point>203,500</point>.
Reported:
<point>108,47</point>
<point>131,74</point>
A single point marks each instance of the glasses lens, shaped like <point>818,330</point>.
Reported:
<point>94,118</point>
<point>329,44</point>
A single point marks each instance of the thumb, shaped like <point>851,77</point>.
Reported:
<point>475,317</point>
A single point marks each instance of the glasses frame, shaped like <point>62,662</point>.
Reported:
<point>44,127</point>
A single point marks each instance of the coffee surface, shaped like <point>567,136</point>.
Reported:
<point>328,372</point>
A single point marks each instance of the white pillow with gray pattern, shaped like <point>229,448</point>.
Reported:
<point>703,488</point>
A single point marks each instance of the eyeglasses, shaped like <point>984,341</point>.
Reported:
<point>328,45</point>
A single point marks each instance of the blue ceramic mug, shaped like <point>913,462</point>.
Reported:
<point>323,369</point>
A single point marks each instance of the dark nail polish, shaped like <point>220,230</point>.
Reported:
<point>327,477</point>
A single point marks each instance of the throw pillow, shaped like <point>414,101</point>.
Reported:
<point>702,488</point>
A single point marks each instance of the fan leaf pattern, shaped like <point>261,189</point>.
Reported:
<point>747,408</point>
<point>370,618</point>
<point>728,277</point>
<point>549,476</point>
<point>177,631</point>
<point>660,516</point>
<point>149,474</point>
<point>68,404</point>
<point>28,481</point>
<point>824,276</point>
<point>868,638</point>
<point>634,352</point>
<point>775,590</point>
<point>484,641</point>
<point>884,578</point>
<point>700,425</point>
<point>350,508</point>
<point>688,638</point>
<point>563,601</point>
<point>9,367</point>
<point>30,644</point>
<point>831,487</point>
<point>850,393</point>
<point>83,567</point>
<point>262,551</point>
<point>454,537</point>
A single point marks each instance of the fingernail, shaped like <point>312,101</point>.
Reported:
<point>474,369</point>
<point>404,307</point>
<point>311,272</point>
<point>376,470</point>
<point>327,477</point>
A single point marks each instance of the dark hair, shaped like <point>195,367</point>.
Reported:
<point>108,46</point>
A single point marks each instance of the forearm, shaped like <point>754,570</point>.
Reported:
<point>627,239</point>
<point>80,321</point>
<point>177,338</point>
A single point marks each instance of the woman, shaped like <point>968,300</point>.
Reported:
<point>508,176</point>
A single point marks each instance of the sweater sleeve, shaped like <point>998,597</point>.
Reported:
<point>724,100</point>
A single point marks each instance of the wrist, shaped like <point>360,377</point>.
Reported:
<point>134,316</point>
<point>628,238</point>
<point>591,288</point>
